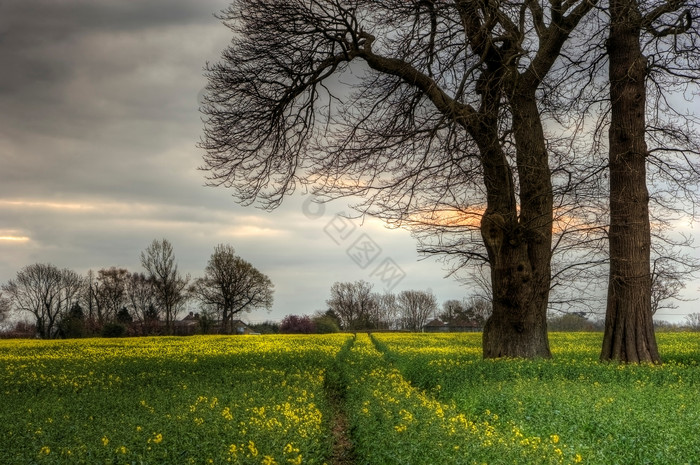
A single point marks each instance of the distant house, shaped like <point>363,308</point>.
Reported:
<point>241,328</point>
<point>436,326</point>
<point>187,326</point>
<point>464,326</point>
<point>456,326</point>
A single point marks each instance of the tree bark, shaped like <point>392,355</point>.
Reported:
<point>519,246</point>
<point>629,329</point>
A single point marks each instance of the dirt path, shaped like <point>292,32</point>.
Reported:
<point>343,452</point>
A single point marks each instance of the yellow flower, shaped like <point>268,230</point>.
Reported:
<point>232,449</point>
<point>45,450</point>
<point>268,460</point>
<point>578,458</point>
<point>296,461</point>
<point>554,438</point>
<point>156,439</point>
<point>105,440</point>
<point>290,449</point>
<point>253,450</point>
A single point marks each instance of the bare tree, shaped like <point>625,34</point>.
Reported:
<point>141,300</point>
<point>109,291</point>
<point>478,308</point>
<point>355,304</point>
<point>692,320</point>
<point>415,308</point>
<point>451,309</point>
<point>45,292</point>
<point>387,310</point>
<point>5,309</point>
<point>231,285</point>
<point>168,284</point>
<point>442,117</point>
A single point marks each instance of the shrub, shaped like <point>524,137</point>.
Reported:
<point>325,325</point>
<point>294,324</point>
<point>113,330</point>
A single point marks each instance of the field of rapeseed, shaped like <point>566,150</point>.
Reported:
<point>605,413</point>
<point>166,400</point>
<point>408,399</point>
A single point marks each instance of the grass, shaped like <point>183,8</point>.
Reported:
<point>407,399</point>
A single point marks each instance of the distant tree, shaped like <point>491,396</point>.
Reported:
<point>325,324</point>
<point>5,309</point>
<point>45,292</point>
<point>692,321</point>
<point>354,303</point>
<point>231,286</point>
<point>415,308</point>
<point>113,329</point>
<point>331,315</point>
<point>570,322</point>
<point>478,308</point>
<point>123,316</point>
<point>473,308</point>
<point>168,284</point>
<point>109,290</point>
<point>294,324</point>
<point>387,310</point>
<point>141,301</point>
<point>266,327</point>
<point>451,310</point>
<point>72,324</point>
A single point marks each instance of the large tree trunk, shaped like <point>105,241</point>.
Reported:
<point>629,330</point>
<point>519,247</point>
<point>519,242</point>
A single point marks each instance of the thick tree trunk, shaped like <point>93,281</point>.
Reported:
<point>519,243</point>
<point>629,330</point>
<point>518,325</point>
<point>520,248</point>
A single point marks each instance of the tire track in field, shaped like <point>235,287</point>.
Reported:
<point>335,385</point>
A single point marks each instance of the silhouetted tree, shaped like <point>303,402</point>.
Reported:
<point>141,300</point>
<point>5,309</point>
<point>168,284</point>
<point>442,116</point>
<point>109,291</point>
<point>232,285</point>
<point>72,324</point>
<point>45,292</point>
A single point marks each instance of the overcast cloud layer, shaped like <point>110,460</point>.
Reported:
<point>98,133</point>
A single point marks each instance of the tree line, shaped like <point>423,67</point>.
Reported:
<point>532,143</point>
<point>62,303</point>
<point>354,306</point>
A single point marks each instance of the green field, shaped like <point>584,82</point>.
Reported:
<point>400,398</point>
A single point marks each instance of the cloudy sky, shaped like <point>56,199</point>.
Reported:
<point>99,124</point>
